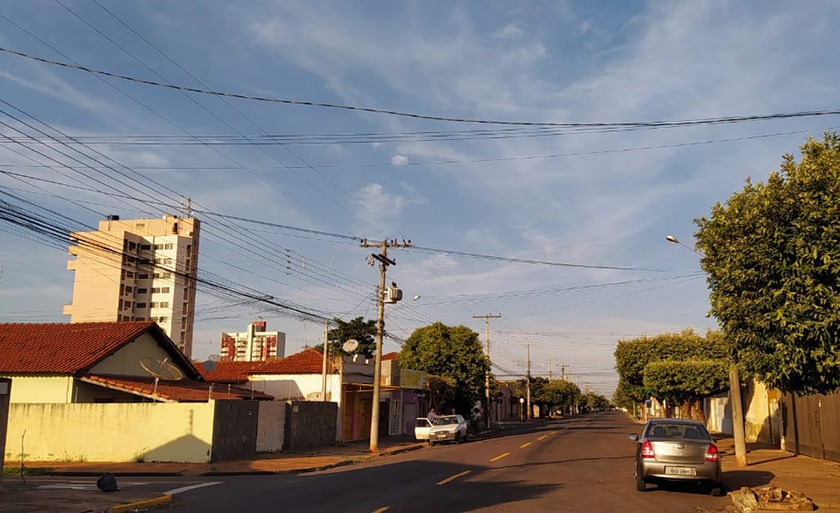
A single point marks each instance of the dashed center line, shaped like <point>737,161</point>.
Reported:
<point>526,444</point>
<point>497,458</point>
<point>456,476</point>
<point>553,433</point>
<point>542,437</point>
<point>382,509</point>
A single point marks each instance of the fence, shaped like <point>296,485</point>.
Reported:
<point>811,425</point>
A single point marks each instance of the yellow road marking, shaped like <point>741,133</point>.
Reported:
<point>553,433</point>
<point>542,437</point>
<point>497,458</point>
<point>456,476</point>
<point>526,444</point>
<point>382,509</point>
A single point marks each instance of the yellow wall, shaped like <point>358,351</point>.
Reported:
<point>126,361</point>
<point>120,432</point>
<point>41,389</point>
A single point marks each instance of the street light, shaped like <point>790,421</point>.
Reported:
<point>734,393</point>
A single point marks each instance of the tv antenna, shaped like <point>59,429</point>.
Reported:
<point>161,370</point>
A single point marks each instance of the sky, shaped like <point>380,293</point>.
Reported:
<point>473,129</point>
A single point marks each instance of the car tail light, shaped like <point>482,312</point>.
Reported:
<point>647,450</point>
<point>712,453</point>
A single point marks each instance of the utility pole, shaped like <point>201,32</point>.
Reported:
<point>734,391</point>
<point>384,262</point>
<point>324,363</point>
<point>487,318</point>
<point>528,382</point>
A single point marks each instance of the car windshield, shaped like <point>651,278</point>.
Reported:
<point>442,421</point>
<point>684,431</point>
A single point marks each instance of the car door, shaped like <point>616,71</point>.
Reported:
<point>421,428</point>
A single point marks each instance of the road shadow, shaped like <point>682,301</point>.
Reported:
<point>735,479</point>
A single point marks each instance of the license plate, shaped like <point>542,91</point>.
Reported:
<point>441,435</point>
<point>680,471</point>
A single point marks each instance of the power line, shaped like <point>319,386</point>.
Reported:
<point>628,124</point>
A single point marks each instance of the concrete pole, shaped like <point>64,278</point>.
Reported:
<point>377,371</point>
<point>324,363</point>
<point>737,417</point>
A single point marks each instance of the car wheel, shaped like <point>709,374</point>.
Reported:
<point>465,437</point>
<point>640,484</point>
<point>458,437</point>
<point>431,443</point>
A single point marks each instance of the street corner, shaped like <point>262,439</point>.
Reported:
<point>142,505</point>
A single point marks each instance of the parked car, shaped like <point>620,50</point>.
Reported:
<point>422,426</point>
<point>677,450</point>
<point>448,428</point>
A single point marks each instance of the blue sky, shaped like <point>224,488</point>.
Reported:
<point>598,200</point>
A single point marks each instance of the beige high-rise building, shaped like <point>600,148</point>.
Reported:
<point>139,269</point>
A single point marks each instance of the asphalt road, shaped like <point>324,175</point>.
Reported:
<point>576,465</point>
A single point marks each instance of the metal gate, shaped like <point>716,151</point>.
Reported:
<point>812,425</point>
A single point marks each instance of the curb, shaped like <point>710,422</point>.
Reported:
<point>303,470</point>
<point>163,500</point>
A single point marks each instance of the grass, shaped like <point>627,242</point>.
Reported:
<point>37,471</point>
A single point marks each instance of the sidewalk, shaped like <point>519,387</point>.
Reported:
<point>819,480</point>
<point>19,497</point>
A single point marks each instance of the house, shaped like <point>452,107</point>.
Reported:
<point>347,382</point>
<point>100,362</point>
<point>117,391</point>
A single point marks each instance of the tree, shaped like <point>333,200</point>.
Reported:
<point>357,329</point>
<point>450,352</point>
<point>686,381</point>
<point>658,366</point>
<point>772,254</point>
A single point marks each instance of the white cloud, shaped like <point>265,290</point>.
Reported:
<point>399,160</point>
<point>510,31</point>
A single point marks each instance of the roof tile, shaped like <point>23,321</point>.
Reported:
<point>63,348</point>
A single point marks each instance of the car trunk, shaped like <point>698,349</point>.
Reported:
<point>682,452</point>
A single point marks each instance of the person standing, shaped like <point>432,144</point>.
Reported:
<point>432,415</point>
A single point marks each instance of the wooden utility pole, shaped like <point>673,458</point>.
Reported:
<point>384,262</point>
<point>487,318</point>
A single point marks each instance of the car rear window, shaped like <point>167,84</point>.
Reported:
<point>686,431</point>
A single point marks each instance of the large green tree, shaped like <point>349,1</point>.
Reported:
<point>358,329</point>
<point>682,367</point>
<point>772,254</point>
<point>452,352</point>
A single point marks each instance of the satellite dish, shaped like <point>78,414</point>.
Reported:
<point>209,365</point>
<point>350,346</point>
<point>161,369</point>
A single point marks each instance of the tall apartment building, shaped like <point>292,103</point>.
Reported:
<point>139,269</point>
<point>254,345</point>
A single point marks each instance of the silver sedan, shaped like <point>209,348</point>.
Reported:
<point>678,450</point>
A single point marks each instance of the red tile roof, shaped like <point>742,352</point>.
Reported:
<point>70,348</point>
<point>185,391</point>
<point>308,361</point>
<point>228,372</point>
<point>391,356</point>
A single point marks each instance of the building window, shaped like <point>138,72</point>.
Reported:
<point>154,304</point>
<point>141,305</point>
<point>164,304</point>
<point>142,276</point>
<point>163,319</point>
<point>146,247</point>
<point>130,274</point>
<point>129,290</point>
<point>142,291</point>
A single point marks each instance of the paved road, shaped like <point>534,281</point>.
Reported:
<point>576,465</point>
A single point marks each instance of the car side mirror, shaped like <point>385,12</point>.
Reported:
<point>635,438</point>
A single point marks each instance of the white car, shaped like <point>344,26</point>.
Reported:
<point>448,428</point>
